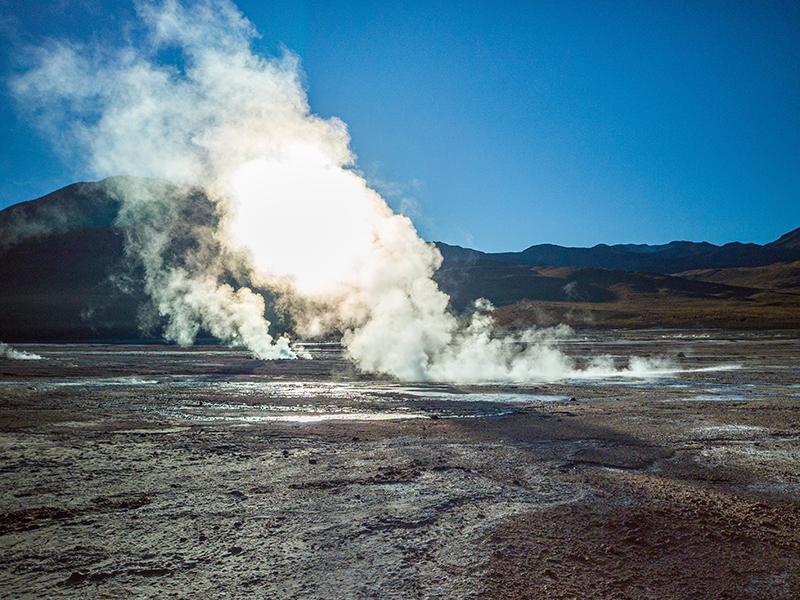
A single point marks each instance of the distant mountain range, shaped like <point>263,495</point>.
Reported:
<point>64,275</point>
<point>675,257</point>
<point>680,284</point>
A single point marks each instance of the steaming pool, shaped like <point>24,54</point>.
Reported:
<point>221,384</point>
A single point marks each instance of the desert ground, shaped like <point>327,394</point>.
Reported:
<point>152,471</point>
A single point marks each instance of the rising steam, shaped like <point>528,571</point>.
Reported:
<point>10,353</point>
<point>284,206</point>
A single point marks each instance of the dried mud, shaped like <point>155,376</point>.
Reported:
<point>159,472</point>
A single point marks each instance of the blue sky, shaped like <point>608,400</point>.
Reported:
<point>498,125</point>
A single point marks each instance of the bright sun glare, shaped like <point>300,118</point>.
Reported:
<point>303,217</point>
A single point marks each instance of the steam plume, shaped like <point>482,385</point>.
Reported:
<point>284,206</point>
<point>7,351</point>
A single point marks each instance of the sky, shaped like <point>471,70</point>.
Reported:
<point>500,125</point>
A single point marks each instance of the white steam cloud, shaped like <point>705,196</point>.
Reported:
<point>284,206</point>
<point>8,352</point>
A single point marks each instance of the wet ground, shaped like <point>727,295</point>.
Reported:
<point>135,471</point>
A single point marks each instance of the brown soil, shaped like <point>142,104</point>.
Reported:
<point>145,472</point>
<point>632,309</point>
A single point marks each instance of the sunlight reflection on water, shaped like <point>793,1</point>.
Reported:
<point>224,384</point>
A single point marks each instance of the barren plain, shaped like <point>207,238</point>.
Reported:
<point>135,471</point>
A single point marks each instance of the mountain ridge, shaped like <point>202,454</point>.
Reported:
<point>671,258</point>
<point>64,275</point>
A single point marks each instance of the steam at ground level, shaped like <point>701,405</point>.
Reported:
<point>10,353</point>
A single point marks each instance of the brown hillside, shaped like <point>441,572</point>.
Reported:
<point>755,298</point>
<point>633,308</point>
<point>780,276</point>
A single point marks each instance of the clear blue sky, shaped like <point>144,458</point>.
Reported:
<point>498,125</point>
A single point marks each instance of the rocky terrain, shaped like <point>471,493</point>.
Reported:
<point>160,472</point>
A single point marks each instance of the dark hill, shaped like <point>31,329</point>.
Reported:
<point>680,284</point>
<point>504,284</point>
<point>789,240</point>
<point>58,256</point>
<point>61,287</point>
<point>64,272</point>
<point>80,206</point>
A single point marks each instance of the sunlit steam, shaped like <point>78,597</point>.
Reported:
<point>10,353</point>
<point>319,218</point>
<point>284,208</point>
